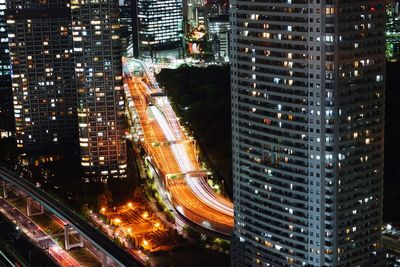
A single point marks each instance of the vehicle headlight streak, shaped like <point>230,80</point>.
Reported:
<point>164,105</point>
<point>200,189</point>
<point>166,119</point>
<point>146,86</point>
<point>178,150</point>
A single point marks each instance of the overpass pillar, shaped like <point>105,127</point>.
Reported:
<point>68,233</point>
<point>5,192</point>
<point>29,207</point>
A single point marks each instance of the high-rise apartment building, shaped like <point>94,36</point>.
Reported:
<point>6,104</point>
<point>160,28</point>
<point>98,67</point>
<point>128,22</point>
<point>43,85</point>
<point>308,122</point>
<point>128,10</point>
<point>218,33</point>
<point>67,80</point>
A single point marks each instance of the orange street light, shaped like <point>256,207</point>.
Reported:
<point>145,243</point>
<point>145,215</point>
<point>129,205</point>
<point>117,220</point>
<point>103,209</point>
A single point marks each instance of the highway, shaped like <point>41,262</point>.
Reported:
<point>173,153</point>
<point>17,249</point>
<point>37,234</point>
<point>113,251</point>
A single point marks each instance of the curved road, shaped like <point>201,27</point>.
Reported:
<point>173,155</point>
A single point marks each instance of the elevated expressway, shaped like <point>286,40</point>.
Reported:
<point>109,248</point>
<point>173,153</point>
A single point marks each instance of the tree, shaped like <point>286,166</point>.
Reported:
<point>104,199</point>
<point>108,195</point>
<point>85,209</point>
<point>206,93</point>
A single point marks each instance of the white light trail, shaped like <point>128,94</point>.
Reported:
<point>146,86</point>
<point>200,189</point>
<point>207,195</point>
<point>169,124</point>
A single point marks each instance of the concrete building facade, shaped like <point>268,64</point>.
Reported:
<point>308,130</point>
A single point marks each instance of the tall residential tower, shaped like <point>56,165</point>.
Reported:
<point>43,84</point>
<point>67,80</point>
<point>308,123</point>
<point>98,67</point>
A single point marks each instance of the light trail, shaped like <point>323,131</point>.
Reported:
<point>149,75</point>
<point>207,196</point>
<point>146,86</point>
<point>165,107</point>
<point>186,166</point>
<point>192,196</point>
<point>7,259</point>
<point>61,257</point>
<point>177,149</point>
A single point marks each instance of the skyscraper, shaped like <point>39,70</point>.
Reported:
<point>67,80</point>
<point>160,28</point>
<point>218,33</point>
<point>43,86</point>
<point>308,122</point>
<point>133,46</point>
<point>127,22</point>
<point>98,67</point>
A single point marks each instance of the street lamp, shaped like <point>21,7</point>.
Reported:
<point>145,215</point>
<point>145,243</point>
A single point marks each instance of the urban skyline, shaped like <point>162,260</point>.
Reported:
<point>121,116</point>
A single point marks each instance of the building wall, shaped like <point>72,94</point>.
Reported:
<point>160,26</point>
<point>308,119</point>
<point>67,80</point>
<point>98,66</point>
<point>42,73</point>
<point>218,33</point>
<point>129,27</point>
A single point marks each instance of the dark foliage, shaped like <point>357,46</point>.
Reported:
<point>206,93</point>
